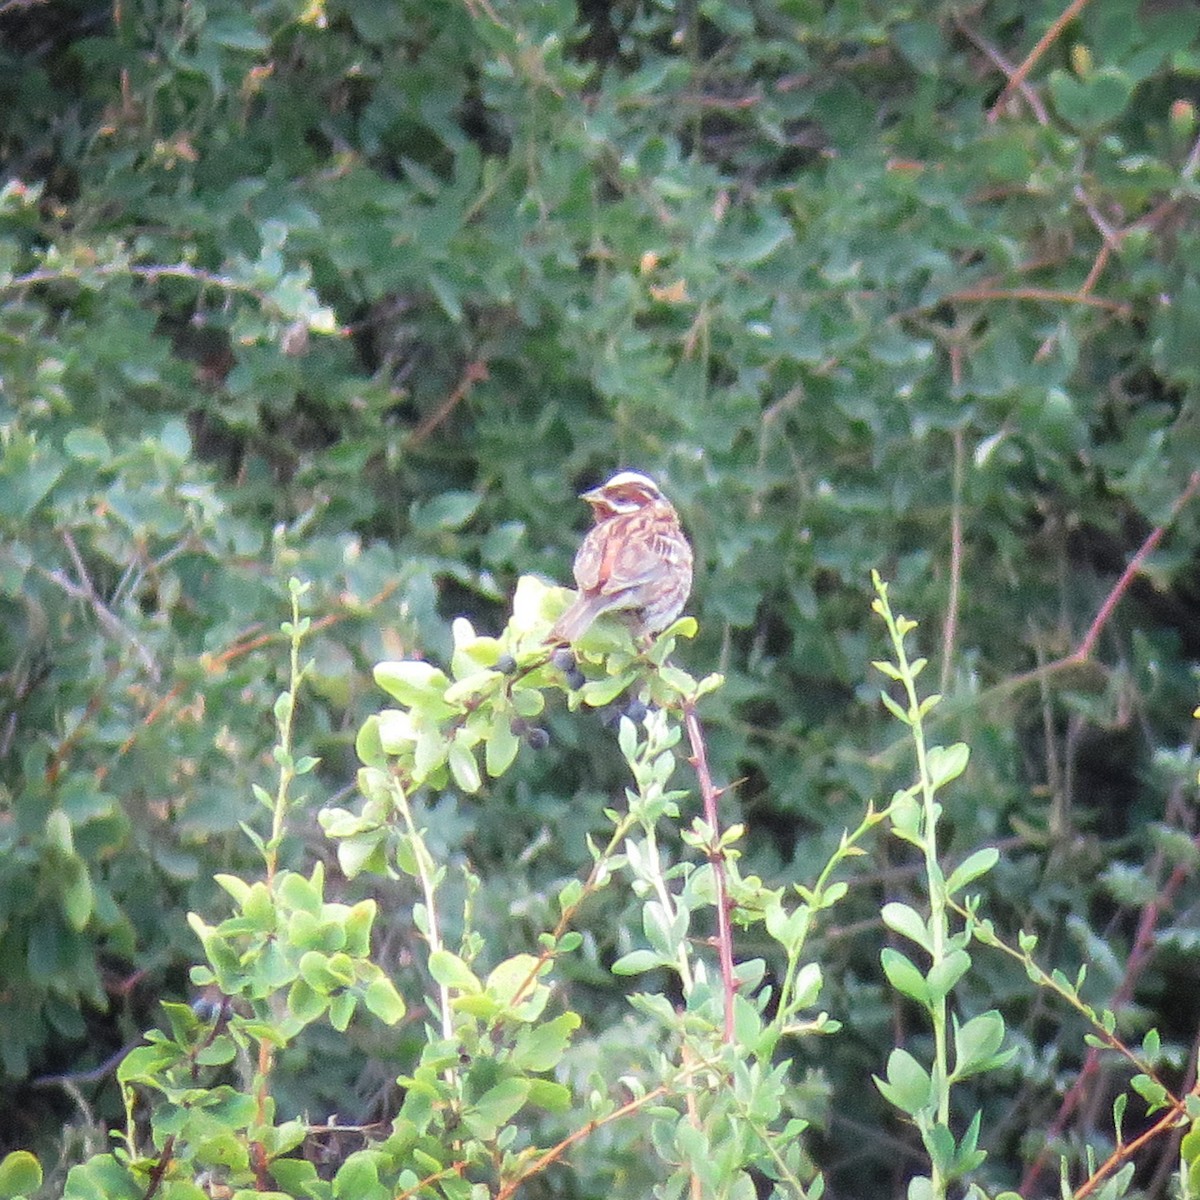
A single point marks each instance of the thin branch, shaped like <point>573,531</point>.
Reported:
<point>1136,962</point>
<point>990,52</point>
<point>1052,295</point>
<point>1077,659</point>
<point>152,273</point>
<point>1047,40</point>
<point>556,1152</point>
<point>1126,1151</point>
<point>1085,288</point>
<point>106,1068</point>
<point>710,795</point>
<point>160,1168</point>
<point>953,600</point>
<point>476,372</point>
<point>85,590</point>
<point>1085,647</point>
<point>1192,165</point>
<point>213,663</point>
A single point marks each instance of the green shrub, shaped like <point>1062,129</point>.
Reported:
<point>363,293</point>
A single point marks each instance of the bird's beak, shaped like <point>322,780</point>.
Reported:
<point>593,496</point>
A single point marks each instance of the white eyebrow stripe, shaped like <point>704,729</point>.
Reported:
<point>622,478</point>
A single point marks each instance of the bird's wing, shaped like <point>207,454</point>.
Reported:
<point>589,561</point>
<point>636,553</point>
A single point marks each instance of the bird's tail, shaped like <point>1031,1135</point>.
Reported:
<point>576,621</point>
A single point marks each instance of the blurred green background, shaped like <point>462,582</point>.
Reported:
<point>366,291</point>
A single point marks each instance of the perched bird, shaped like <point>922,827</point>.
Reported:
<point>635,560</point>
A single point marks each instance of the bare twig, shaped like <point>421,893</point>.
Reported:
<point>476,372</point>
<point>1078,658</point>
<point>1084,1088</point>
<point>1052,295</point>
<point>950,623</point>
<point>1192,164</point>
<point>152,273</point>
<point>1085,647</point>
<point>160,1168</point>
<point>990,52</point>
<point>85,590</point>
<point>552,1155</point>
<point>709,795</point>
<point>106,1068</point>
<point>1124,1152</point>
<point>1047,40</point>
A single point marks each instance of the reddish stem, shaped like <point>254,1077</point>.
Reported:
<point>1031,59</point>
<point>1085,647</point>
<point>716,856</point>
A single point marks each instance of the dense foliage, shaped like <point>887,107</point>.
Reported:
<point>364,291</point>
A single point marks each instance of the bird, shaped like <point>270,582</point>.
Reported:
<point>635,561</point>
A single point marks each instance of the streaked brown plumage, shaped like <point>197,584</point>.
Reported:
<point>635,560</point>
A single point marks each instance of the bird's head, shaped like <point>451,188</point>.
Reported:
<point>625,492</point>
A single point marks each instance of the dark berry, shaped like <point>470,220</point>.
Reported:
<point>506,664</point>
<point>636,710</point>
<point>537,738</point>
<point>564,658</point>
<point>575,679</point>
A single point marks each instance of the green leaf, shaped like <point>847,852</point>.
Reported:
<point>541,1047</point>
<point>301,894</point>
<point>899,713</point>
<point>304,1002</point>
<point>920,1187</point>
<point>502,745</point>
<point>88,445</point>
<point>393,729</point>
<point>412,684</point>
<point>59,834</point>
<point>78,898</point>
<point>976,1043</point>
<point>382,999</point>
<point>1092,102</point>
<point>908,1085</point>
<point>550,1096</point>
<point>26,477</point>
<point>1151,1046</point>
<point>636,962</point>
<point>341,1010</point>
<point>464,767</point>
<point>908,922</point>
<point>450,971</point>
<point>450,510</point>
<point>807,985</point>
<point>236,33</point>
<point>20,1172</point>
<point>218,1052</point>
<point>947,762</point>
<point>1119,1106</point>
<point>922,44</point>
<point>975,865</point>
<point>501,1102</point>
<point>945,974</point>
<point>1189,1147</point>
<point>514,980</point>
<point>358,1176</point>
<point>904,976</point>
<point>939,1141</point>
<point>1155,1095</point>
<point>598,692</point>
